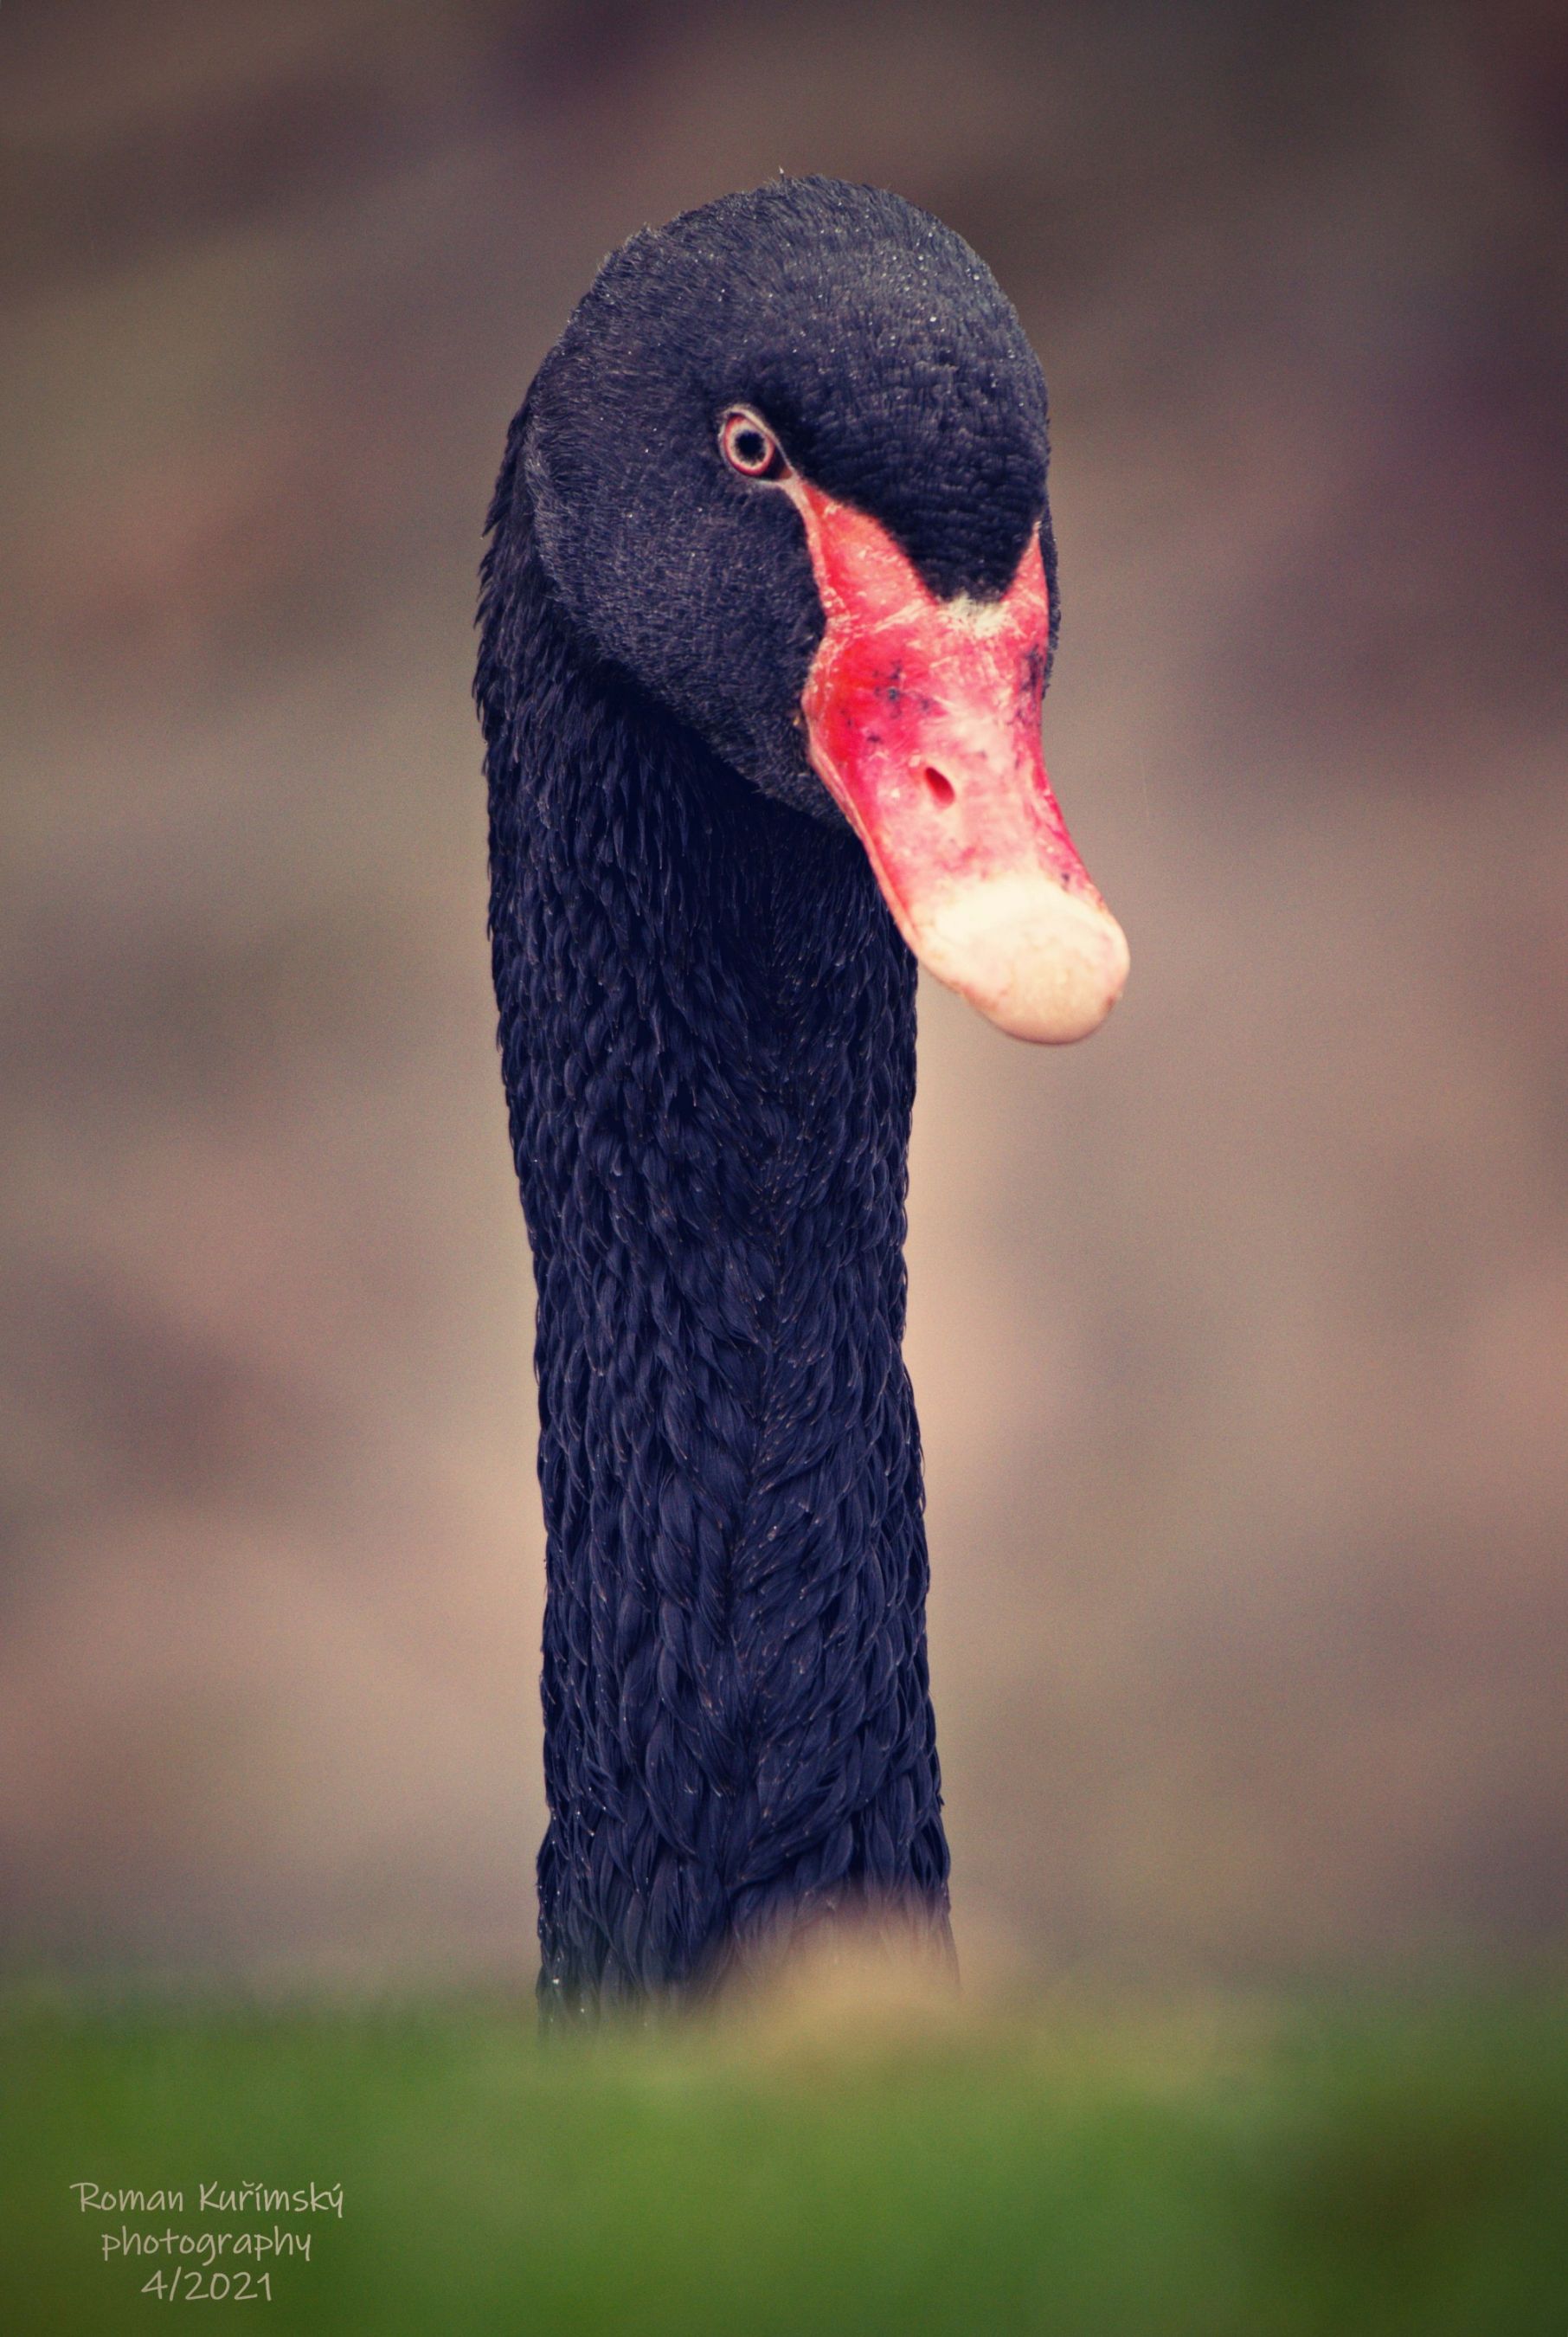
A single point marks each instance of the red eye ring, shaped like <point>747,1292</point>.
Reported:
<point>749,446</point>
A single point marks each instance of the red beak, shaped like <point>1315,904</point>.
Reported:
<point>923,720</point>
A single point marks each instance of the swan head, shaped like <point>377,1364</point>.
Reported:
<point>786,469</point>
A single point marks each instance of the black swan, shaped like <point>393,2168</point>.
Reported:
<point>767,614</point>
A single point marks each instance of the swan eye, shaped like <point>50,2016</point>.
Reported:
<point>749,446</point>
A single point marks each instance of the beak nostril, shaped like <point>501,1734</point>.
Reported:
<point>940,789</point>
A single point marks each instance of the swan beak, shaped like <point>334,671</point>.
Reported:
<point>923,719</point>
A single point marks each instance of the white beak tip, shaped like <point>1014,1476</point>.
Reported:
<point>1042,963</point>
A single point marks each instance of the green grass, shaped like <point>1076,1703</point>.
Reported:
<point>1401,2171</point>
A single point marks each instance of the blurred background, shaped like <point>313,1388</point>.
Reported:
<point>1240,1335</point>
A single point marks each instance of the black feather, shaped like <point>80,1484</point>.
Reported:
<point>707,1041</point>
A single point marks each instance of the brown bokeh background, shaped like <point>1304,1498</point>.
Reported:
<point>1240,1335</point>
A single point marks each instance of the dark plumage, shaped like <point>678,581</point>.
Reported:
<point>708,1039</point>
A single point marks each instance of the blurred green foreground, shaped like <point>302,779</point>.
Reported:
<point>1193,2175</point>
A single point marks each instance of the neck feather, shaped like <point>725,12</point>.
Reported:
<point>706,1024</point>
